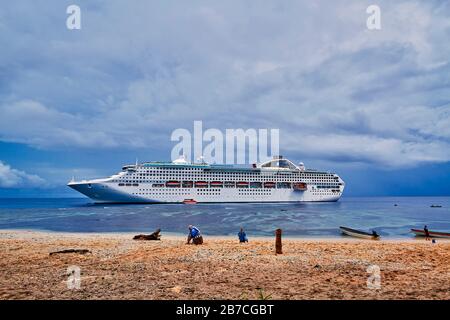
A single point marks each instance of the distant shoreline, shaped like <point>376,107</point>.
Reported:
<point>178,236</point>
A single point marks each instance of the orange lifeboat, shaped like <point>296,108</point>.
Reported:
<point>269,184</point>
<point>216,184</point>
<point>201,184</point>
<point>173,184</point>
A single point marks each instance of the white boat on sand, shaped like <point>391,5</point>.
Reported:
<point>360,234</point>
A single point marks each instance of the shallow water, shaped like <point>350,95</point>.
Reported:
<point>299,219</point>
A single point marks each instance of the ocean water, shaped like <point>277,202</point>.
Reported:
<point>389,216</point>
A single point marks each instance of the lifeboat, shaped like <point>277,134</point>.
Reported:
<point>216,184</point>
<point>269,184</point>
<point>201,184</point>
<point>189,201</point>
<point>242,184</point>
<point>173,184</point>
<point>301,186</point>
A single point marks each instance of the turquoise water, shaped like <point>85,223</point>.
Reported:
<point>299,219</point>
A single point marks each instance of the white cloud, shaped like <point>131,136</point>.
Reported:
<point>12,178</point>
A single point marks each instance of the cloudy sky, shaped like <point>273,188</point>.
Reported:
<point>372,105</point>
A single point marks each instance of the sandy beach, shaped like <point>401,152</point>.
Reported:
<point>118,267</point>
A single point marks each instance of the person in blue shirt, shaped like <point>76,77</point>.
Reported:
<point>242,236</point>
<point>194,235</point>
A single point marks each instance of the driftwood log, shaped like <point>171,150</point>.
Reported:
<point>80,251</point>
<point>154,236</point>
<point>278,245</point>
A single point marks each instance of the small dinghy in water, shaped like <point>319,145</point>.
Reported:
<point>359,234</point>
<point>189,201</point>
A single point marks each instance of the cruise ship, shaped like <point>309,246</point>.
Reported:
<point>276,180</point>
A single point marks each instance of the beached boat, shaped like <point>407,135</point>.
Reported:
<point>189,201</point>
<point>434,234</point>
<point>173,184</point>
<point>300,186</point>
<point>359,234</point>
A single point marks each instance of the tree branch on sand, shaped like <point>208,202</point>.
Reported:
<point>80,251</point>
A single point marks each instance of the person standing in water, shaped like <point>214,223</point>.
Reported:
<point>242,236</point>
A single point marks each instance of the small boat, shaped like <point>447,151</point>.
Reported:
<point>173,184</point>
<point>435,206</point>
<point>201,184</point>
<point>359,233</point>
<point>216,184</point>
<point>269,184</point>
<point>434,234</point>
<point>189,201</point>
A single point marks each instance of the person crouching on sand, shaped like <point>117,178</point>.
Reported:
<point>242,236</point>
<point>194,235</point>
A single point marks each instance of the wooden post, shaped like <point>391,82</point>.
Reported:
<point>278,246</point>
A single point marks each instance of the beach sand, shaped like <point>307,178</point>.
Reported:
<point>121,268</point>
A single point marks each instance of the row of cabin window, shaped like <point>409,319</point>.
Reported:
<point>283,185</point>
<point>246,177</point>
<point>229,175</point>
<point>212,179</point>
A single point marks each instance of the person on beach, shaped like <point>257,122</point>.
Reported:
<point>194,235</point>
<point>242,236</point>
<point>427,233</point>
